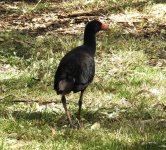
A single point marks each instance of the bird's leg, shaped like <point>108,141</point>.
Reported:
<point>63,99</point>
<point>80,105</point>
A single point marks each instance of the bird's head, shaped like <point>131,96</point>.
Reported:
<point>95,26</point>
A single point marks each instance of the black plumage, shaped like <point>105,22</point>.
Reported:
<point>77,68</point>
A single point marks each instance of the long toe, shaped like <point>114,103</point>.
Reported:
<point>71,125</point>
<point>79,124</point>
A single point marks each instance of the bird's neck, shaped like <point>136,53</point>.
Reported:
<point>90,41</point>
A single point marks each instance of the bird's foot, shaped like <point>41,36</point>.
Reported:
<point>76,125</point>
<point>71,125</point>
<point>79,124</point>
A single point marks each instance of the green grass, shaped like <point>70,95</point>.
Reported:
<point>122,71</point>
<point>125,97</point>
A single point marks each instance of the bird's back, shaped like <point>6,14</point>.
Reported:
<point>75,71</point>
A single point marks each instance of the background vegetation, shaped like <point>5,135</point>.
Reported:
<point>124,107</point>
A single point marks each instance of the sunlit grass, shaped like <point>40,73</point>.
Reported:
<point>109,6</point>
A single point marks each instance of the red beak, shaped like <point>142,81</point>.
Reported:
<point>105,26</point>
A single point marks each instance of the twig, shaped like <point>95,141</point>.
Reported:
<point>36,5</point>
<point>34,101</point>
<point>28,101</point>
<point>91,13</point>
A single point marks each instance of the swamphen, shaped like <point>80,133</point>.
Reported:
<point>77,68</point>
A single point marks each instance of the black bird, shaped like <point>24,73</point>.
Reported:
<point>77,68</point>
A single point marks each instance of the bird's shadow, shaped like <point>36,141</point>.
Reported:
<point>88,118</point>
<point>54,119</point>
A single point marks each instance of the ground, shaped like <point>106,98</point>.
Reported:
<point>124,107</point>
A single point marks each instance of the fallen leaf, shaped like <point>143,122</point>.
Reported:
<point>95,126</point>
<point>53,131</point>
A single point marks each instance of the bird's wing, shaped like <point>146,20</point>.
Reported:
<point>85,70</point>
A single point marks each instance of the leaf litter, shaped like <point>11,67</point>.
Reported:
<point>58,20</point>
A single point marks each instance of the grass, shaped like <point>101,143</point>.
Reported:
<point>122,61</point>
<point>70,6</point>
<point>125,98</point>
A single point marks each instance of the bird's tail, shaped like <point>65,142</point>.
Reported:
<point>65,86</point>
